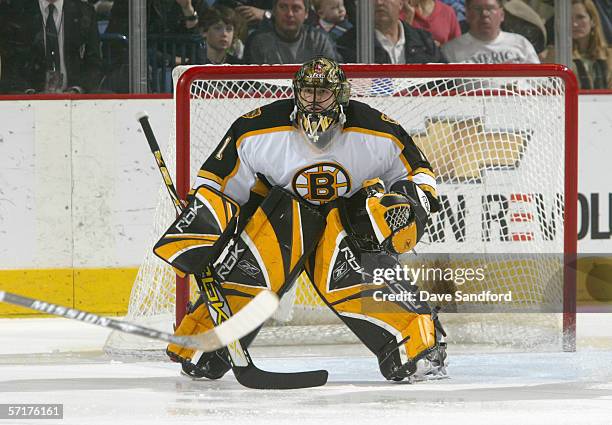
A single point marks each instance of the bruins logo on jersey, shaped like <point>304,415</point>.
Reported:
<point>253,114</point>
<point>321,183</point>
<point>387,118</point>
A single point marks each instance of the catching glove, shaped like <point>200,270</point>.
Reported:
<point>392,219</point>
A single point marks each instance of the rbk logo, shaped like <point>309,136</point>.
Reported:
<point>188,216</point>
<point>351,259</point>
<point>230,261</point>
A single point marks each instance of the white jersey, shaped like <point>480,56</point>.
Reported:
<point>506,48</point>
<point>264,146</point>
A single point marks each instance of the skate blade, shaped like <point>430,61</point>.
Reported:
<point>428,372</point>
<point>424,378</point>
<point>194,378</point>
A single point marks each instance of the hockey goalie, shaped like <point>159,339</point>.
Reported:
<point>305,184</point>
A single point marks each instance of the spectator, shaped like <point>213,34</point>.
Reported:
<point>255,12</point>
<point>520,18</point>
<point>485,42</point>
<point>395,41</point>
<point>434,17</point>
<point>288,40</point>
<point>332,18</point>
<point>604,8</point>
<point>217,28</point>
<point>54,47</point>
<point>592,58</point>
<point>241,29</point>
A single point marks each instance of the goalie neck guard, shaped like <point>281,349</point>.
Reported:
<point>321,91</point>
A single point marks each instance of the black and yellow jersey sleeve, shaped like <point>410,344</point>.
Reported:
<point>410,162</point>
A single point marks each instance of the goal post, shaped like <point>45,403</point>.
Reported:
<point>502,140</point>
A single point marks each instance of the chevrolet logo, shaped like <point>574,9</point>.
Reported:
<point>461,149</point>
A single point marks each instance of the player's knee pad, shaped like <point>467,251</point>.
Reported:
<point>273,246</point>
<point>197,320</point>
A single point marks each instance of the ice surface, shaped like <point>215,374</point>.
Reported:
<point>59,361</point>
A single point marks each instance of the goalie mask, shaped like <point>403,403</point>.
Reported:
<point>321,91</point>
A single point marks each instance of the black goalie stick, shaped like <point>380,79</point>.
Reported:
<point>237,326</point>
<point>245,371</point>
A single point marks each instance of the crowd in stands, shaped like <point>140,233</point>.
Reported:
<point>81,46</point>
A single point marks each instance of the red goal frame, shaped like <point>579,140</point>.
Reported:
<point>244,72</point>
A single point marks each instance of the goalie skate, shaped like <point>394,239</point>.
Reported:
<point>430,367</point>
<point>210,366</point>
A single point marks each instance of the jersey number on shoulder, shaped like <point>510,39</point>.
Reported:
<point>321,183</point>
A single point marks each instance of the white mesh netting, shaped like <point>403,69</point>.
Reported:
<point>497,146</point>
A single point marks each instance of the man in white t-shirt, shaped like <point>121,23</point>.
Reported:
<point>486,42</point>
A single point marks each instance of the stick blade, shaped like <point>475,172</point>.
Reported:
<point>252,377</point>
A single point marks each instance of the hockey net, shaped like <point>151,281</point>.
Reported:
<point>502,141</point>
